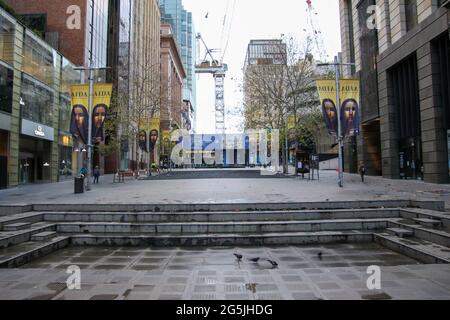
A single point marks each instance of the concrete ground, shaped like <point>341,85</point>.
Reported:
<point>214,273</point>
<point>219,189</point>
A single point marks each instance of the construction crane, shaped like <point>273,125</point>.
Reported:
<point>317,34</point>
<point>218,70</point>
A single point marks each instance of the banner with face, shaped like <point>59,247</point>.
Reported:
<point>101,100</point>
<point>142,140</point>
<point>349,108</point>
<point>350,111</point>
<point>152,125</point>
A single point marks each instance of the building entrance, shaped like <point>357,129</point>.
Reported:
<point>410,160</point>
<point>34,160</point>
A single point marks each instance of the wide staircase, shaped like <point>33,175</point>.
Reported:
<point>420,230</point>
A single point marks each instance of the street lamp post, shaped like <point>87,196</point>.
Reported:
<point>337,67</point>
<point>91,94</point>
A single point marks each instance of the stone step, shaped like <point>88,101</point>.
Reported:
<point>6,210</point>
<point>432,223</point>
<point>43,236</point>
<point>26,252</point>
<point>214,207</point>
<point>441,237</point>
<point>411,213</point>
<point>421,250</point>
<point>28,217</point>
<point>11,238</point>
<point>224,227</point>
<point>225,216</point>
<point>282,238</point>
<point>402,233</point>
<point>17,226</point>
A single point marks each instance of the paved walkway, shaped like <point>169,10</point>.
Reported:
<point>214,273</point>
<point>236,190</point>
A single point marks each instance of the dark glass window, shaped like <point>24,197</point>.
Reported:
<point>36,102</point>
<point>441,48</point>
<point>406,97</point>
<point>411,14</point>
<point>6,88</point>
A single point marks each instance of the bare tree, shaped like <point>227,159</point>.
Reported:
<point>131,108</point>
<point>277,93</point>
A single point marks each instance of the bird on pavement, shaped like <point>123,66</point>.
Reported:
<point>238,256</point>
<point>255,260</point>
<point>320,255</point>
<point>273,263</point>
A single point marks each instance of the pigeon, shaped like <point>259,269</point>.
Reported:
<point>273,263</point>
<point>320,255</point>
<point>255,260</point>
<point>238,256</point>
<point>207,15</point>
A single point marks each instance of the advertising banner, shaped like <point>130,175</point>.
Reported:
<point>153,126</point>
<point>101,101</point>
<point>349,108</point>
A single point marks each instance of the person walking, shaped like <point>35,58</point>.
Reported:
<point>96,174</point>
<point>362,170</point>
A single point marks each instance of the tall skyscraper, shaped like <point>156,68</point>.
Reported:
<point>181,21</point>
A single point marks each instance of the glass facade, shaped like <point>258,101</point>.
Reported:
<point>42,82</point>
<point>100,37</point>
<point>6,88</point>
<point>126,14</point>
<point>39,59</point>
<point>173,13</point>
<point>69,76</point>
<point>64,113</point>
<point>7,33</point>
<point>36,101</point>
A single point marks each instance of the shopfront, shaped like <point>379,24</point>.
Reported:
<point>35,152</point>
<point>66,156</point>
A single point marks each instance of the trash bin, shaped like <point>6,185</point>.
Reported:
<point>79,185</point>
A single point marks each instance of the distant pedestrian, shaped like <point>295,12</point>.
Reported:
<point>362,170</point>
<point>96,174</point>
<point>83,172</point>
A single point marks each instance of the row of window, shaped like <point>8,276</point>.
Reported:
<point>39,66</point>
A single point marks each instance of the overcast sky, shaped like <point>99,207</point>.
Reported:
<point>252,19</point>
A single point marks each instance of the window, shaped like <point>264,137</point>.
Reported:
<point>405,92</point>
<point>411,14</point>
<point>69,76</point>
<point>64,113</point>
<point>441,52</point>
<point>36,102</point>
<point>7,30</point>
<point>6,88</point>
<point>38,60</point>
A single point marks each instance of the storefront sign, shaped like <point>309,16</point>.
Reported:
<point>37,130</point>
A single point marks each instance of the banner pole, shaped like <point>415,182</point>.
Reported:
<point>91,92</point>
<point>340,137</point>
